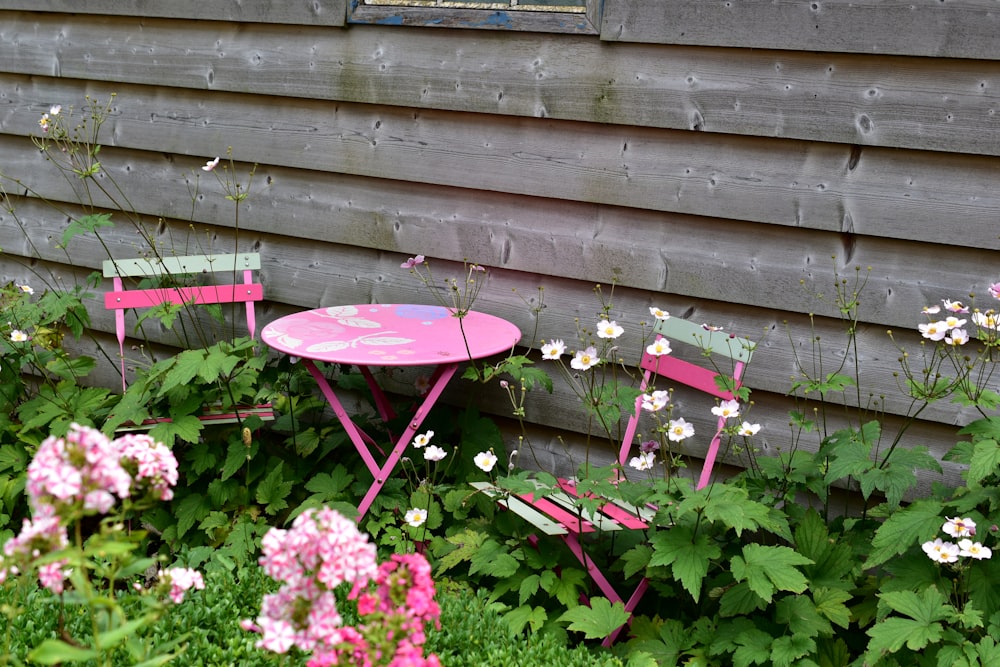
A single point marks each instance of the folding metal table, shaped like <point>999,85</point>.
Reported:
<point>385,335</point>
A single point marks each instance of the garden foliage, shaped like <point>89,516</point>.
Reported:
<point>827,552</point>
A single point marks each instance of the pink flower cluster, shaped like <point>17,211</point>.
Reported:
<point>182,579</point>
<point>40,535</point>
<point>85,470</point>
<point>321,551</point>
<point>82,473</point>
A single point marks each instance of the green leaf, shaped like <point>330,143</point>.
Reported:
<point>466,544</point>
<point>191,511</point>
<point>111,638</point>
<point>985,461</point>
<point>830,604</point>
<point>273,491</point>
<point>988,651</point>
<point>529,586</point>
<point>925,610</point>
<point>787,648</point>
<point>914,524</point>
<point>186,428</point>
<point>767,569</point>
<point>687,555</point>
<point>494,559</point>
<point>799,614</point>
<point>888,636</point>
<point>71,368</point>
<point>332,484</point>
<point>598,620</point>
<point>236,455</point>
<point>636,559</point>
<point>55,651</point>
<point>739,601</point>
<point>526,615</point>
<point>565,586</point>
<point>217,364</point>
<point>849,455</point>
<point>833,559</point>
<point>186,366</point>
<point>85,225</point>
<point>733,507</point>
<point>754,648</point>
<point>930,605</point>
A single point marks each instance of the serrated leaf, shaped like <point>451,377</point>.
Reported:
<point>687,555</point>
<point>466,543</point>
<point>217,364</point>
<point>236,455</point>
<point>273,491</point>
<point>888,636</point>
<point>529,586</point>
<point>565,586</point>
<point>985,461</point>
<point>598,620</point>
<point>739,601</point>
<point>753,648</point>
<point>799,614</point>
<point>636,559</point>
<point>732,506</point>
<point>768,569</point>
<point>186,366</point>
<point>494,559</point>
<point>930,605</point>
<point>913,524</point>
<point>86,224</point>
<point>788,648</point>
<point>534,617</point>
<point>186,428</point>
<point>830,604</point>
<point>331,484</point>
<point>190,511</point>
<point>833,559</point>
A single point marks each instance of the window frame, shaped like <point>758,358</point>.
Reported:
<point>586,22</point>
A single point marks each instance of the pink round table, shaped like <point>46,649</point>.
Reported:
<point>366,335</point>
<point>390,335</point>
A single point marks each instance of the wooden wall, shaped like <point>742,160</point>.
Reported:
<point>724,161</point>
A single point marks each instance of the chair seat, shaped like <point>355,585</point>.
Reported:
<point>231,415</point>
<point>559,513</point>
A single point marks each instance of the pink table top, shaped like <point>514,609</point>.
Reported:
<point>389,335</point>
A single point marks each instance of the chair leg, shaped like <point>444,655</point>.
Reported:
<point>602,582</point>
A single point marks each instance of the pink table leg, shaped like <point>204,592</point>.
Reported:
<point>442,375</point>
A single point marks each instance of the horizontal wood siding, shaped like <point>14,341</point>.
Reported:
<point>729,177</point>
<point>952,29</point>
<point>926,103</point>
<point>300,12</point>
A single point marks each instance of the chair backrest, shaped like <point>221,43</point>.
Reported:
<point>734,352</point>
<point>704,339</point>
<point>121,299</point>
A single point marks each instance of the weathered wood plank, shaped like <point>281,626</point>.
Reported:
<point>955,29</point>
<point>782,182</point>
<point>314,12</point>
<point>720,260</point>
<point>931,104</point>
<point>312,271</point>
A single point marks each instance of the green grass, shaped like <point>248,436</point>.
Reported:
<point>472,634</point>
